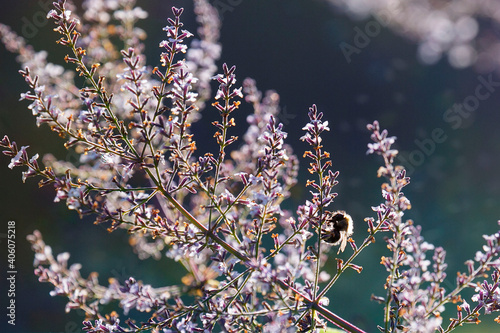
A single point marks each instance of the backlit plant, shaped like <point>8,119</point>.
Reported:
<point>251,265</point>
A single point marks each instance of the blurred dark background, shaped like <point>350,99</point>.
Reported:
<point>292,47</point>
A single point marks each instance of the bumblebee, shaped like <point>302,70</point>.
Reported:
<point>337,229</point>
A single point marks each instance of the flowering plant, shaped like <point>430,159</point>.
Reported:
<point>251,265</point>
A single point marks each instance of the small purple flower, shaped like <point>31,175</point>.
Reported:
<point>20,158</point>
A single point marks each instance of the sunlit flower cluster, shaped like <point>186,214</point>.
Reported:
<point>252,263</point>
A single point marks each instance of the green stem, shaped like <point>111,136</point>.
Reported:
<point>332,317</point>
<point>195,222</point>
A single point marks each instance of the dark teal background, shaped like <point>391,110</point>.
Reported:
<point>293,47</point>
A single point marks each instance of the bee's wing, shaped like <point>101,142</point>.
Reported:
<point>343,240</point>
